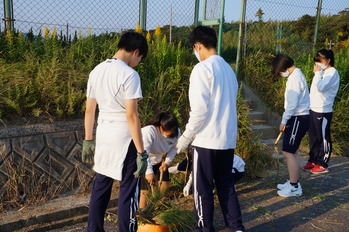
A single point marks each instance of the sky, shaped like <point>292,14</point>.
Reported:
<point>116,15</point>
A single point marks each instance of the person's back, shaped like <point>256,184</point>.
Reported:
<point>220,126</point>
<point>117,151</point>
<point>212,127</point>
<point>110,78</point>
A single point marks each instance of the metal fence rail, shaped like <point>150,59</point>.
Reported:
<point>95,17</point>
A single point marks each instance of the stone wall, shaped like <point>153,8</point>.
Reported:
<point>46,151</point>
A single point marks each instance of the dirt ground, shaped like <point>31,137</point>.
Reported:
<point>324,205</point>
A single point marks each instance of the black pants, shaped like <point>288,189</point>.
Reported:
<point>214,167</point>
<point>320,138</point>
<point>128,197</point>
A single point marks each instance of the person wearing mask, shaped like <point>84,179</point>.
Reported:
<point>295,120</point>
<point>160,137</point>
<point>323,91</point>
<point>212,131</point>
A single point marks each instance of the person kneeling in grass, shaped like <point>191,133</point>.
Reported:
<point>295,120</point>
<point>160,137</point>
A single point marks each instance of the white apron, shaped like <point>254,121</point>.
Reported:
<point>112,141</point>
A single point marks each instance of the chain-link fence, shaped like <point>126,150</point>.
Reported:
<point>96,17</point>
<point>290,26</point>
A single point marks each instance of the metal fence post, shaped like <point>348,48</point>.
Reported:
<point>318,12</point>
<point>8,13</point>
<point>143,14</point>
<point>196,13</point>
<point>241,35</point>
<point>220,33</point>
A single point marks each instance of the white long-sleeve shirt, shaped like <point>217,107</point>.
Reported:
<point>323,90</point>
<point>157,146</point>
<point>212,96</point>
<point>297,100</point>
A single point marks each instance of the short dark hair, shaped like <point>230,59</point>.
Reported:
<point>167,121</point>
<point>280,63</point>
<point>324,54</point>
<point>205,35</point>
<point>130,41</point>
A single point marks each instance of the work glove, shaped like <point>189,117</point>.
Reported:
<point>142,164</point>
<point>88,151</point>
<point>186,189</point>
<point>183,144</point>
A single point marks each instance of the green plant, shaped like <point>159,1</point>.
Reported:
<point>161,210</point>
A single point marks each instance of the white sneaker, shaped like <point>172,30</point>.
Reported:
<point>291,191</point>
<point>284,185</point>
<point>287,183</point>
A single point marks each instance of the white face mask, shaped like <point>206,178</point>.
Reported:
<point>285,74</point>
<point>197,54</point>
<point>322,66</point>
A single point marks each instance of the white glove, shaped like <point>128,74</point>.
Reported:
<point>183,144</point>
<point>186,189</point>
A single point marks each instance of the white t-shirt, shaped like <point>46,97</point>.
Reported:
<point>157,146</point>
<point>111,83</point>
<point>296,96</point>
<point>323,90</point>
<point>212,96</point>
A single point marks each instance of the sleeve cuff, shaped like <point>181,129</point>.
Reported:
<point>188,134</point>
<point>149,170</point>
<point>168,161</point>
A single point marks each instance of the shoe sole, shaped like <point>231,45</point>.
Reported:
<point>316,173</point>
<point>296,195</point>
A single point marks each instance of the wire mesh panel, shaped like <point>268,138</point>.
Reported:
<point>269,27</point>
<point>97,17</point>
<point>212,10</point>
<point>171,15</point>
<point>285,26</point>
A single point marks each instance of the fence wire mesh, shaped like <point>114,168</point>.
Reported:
<point>284,26</point>
<point>96,17</point>
<point>212,10</point>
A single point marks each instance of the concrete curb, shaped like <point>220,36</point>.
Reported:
<point>57,213</point>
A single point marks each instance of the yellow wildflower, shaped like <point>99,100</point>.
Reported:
<point>340,33</point>
<point>54,33</point>
<point>157,31</point>
<point>9,36</point>
<point>164,39</point>
<point>345,43</point>
<point>138,28</point>
<point>326,42</point>
<point>46,33</point>
<point>148,37</point>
